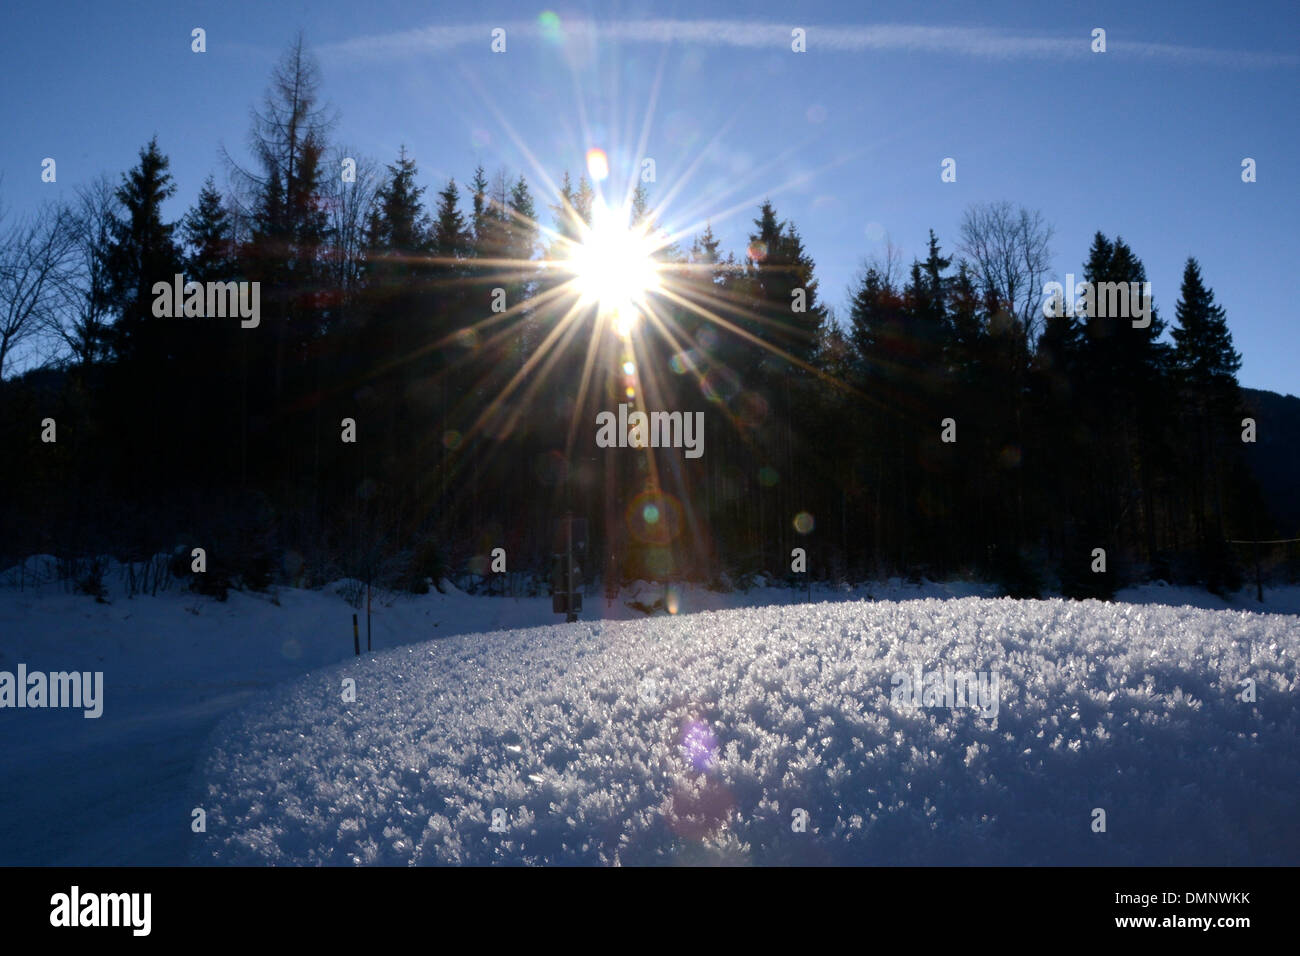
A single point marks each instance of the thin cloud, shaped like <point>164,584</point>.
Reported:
<point>973,42</point>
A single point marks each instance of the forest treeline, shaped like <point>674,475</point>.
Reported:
<point>474,429</point>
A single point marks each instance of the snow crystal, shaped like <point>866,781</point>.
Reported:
<point>701,738</point>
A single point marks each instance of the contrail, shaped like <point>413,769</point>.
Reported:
<point>973,42</point>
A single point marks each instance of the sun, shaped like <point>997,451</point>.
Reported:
<point>614,266</point>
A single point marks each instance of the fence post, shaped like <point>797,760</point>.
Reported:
<point>1259,584</point>
<point>356,637</point>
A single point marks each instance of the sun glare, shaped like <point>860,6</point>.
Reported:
<point>614,267</point>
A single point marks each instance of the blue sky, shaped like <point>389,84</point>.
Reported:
<point>1145,140</point>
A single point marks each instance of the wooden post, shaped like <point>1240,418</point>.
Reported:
<point>356,638</point>
<point>1259,583</point>
<point>570,617</point>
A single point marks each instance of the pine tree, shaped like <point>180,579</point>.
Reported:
<point>584,200</point>
<point>398,227</point>
<point>926,305</point>
<point>522,220</point>
<point>451,237</point>
<point>1211,405</point>
<point>154,362</point>
<point>780,296</point>
<point>705,250</point>
<point>1126,370</point>
<point>489,228</point>
<point>209,237</point>
<point>142,251</point>
<point>1203,345</point>
<point>451,244</point>
<point>481,207</point>
<point>780,280</point>
<point>705,280</point>
<point>209,349</point>
<point>564,216</point>
<point>640,206</point>
<point>283,201</point>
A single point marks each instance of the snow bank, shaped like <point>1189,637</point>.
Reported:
<point>701,738</point>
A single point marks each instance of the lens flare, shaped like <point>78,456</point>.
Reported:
<point>699,746</point>
<point>803,522</point>
<point>720,384</point>
<point>654,518</point>
<point>597,165</point>
<point>548,24</point>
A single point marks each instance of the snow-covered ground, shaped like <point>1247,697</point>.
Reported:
<point>684,738</point>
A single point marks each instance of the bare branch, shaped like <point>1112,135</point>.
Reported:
<point>33,258</point>
<point>1009,250</point>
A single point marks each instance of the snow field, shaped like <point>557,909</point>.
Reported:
<point>695,739</point>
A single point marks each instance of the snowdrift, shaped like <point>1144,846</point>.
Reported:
<point>777,735</point>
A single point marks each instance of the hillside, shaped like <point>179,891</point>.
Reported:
<point>1275,460</point>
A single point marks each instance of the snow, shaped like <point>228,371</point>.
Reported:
<point>687,738</point>
<point>699,738</point>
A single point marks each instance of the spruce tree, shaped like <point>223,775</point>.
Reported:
<point>451,237</point>
<point>209,237</point>
<point>142,251</point>
<point>1207,365</point>
<point>1203,348</point>
<point>780,280</point>
<point>398,230</point>
<point>482,209</point>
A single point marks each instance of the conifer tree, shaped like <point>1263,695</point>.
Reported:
<point>1203,345</point>
<point>1206,365</point>
<point>142,251</point>
<point>209,237</point>
<point>450,237</point>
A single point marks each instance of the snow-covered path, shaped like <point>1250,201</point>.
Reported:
<point>118,789</point>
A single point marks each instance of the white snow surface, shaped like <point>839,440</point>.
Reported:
<point>120,789</point>
<point>697,739</point>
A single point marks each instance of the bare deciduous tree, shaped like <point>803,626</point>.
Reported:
<point>84,311</point>
<point>349,205</point>
<point>1009,249</point>
<point>33,257</point>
